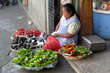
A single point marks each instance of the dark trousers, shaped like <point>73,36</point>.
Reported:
<point>13,2</point>
<point>1,2</point>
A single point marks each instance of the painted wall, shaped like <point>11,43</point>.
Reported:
<point>37,9</point>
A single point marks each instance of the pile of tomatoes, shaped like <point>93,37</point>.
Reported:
<point>69,48</point>
<point>24,32</point>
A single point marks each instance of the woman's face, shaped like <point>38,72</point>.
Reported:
<point>66,14</point>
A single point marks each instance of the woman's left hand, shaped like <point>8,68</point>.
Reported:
<point>56,35</point>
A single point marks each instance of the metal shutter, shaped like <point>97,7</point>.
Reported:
<point>54,14</point>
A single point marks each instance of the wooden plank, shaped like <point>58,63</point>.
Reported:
<point>87,9</point>
<point>86,28</point>
<point>73,2</point>
<point>85,13</point>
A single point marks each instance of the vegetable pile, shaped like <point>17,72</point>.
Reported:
<point>32,58</point>
<point>69,48</point>
<point>23,32</point>
<point>75,51</point>
<point>28,42</point>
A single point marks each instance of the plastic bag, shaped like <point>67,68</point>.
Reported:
<point>52,44</point>
<point>52,65</point>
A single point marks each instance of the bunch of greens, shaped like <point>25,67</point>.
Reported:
<point>83,51</point>
<point>82,48</point>
<point>34,58</point>
<point>77,51</point>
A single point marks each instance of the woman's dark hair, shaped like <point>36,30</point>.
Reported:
<point>69,7</point>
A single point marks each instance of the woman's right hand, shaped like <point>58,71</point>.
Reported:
<point>56,35</point>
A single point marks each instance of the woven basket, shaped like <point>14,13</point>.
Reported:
<point>73,58</point>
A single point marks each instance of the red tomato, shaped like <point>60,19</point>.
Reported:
<point>71,48</point>
<point>21,30</point>
<point>68,51</point>
<point>14,35</point>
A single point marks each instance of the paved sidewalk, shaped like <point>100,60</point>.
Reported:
<point>98,62</point>
<point>11,18</point>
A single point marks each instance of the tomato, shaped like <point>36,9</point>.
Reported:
<point>21,30</point>
<point>68,51</point>
<point>37,33</point>
<point>64,46</point>
<point>25,33</point>
<point>71,48</point>
<point>14,35</point>
<point>73,45</point>
<point>20,34</point>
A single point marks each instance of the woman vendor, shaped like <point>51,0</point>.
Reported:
<point>66,31</point>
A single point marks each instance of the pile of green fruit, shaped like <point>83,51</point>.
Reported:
<point>34,58</point>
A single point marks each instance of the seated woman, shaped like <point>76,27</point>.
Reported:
<point>66,31</point>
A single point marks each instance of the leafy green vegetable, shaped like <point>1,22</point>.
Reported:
<point>82,48</point>
<point>28,58</point>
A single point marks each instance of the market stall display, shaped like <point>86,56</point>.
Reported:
<point>35,59</point>
<point>73,52</point>
<point>30,55</point>
<point>28,42</point>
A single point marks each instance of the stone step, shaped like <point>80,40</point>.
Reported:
<point>93,42</point>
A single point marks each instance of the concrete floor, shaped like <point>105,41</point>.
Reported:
<point>98,62</point>
<point>12,18</point>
